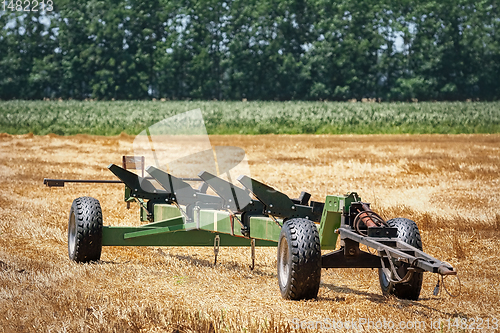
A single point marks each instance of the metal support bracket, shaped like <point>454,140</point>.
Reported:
<point>216,248</point>
<point>183,192</point>
<point>252,242</point>
<point>235,198</point>
<point>231,222</point>
<point>338,259</point>
<point>140,187</point>
<point>277,203</point>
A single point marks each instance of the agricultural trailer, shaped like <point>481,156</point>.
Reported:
<point>254,214</point>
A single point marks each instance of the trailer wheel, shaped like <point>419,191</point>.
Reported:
<point>299,259</point>
<point>85,230</point>
<point>408,233</point>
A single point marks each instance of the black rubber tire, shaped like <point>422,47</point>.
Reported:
<point>85,230</point>
<point>299,259</point>
<point>408,233</point>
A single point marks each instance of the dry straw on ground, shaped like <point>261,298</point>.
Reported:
<point>448,184</point>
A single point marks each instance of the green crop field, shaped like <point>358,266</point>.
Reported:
<point>131,117</point>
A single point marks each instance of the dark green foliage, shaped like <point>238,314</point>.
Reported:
<point>254,49</point>
<point>112,118</point>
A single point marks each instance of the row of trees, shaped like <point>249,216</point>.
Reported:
<point>254,49</point>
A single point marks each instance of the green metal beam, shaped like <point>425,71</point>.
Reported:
<point>264,228</point>
<point>332,218</point>
<point>115,236</point>
<point>157,231</point>
<point>165,223</point>
<point>218,221</point>
<point>164,211</point>
<point>330,221</point>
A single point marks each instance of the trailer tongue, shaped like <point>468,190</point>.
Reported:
<point>258,215</point>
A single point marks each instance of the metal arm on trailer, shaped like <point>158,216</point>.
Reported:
<point>61,182</point>
<point>350,256</point>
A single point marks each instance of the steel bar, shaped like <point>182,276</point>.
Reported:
<point>114,236</point>
<point>157,231</point>
<point>50,182</point>
<point>60,182</point>
<point>338,259</point>
<point>165,223</point>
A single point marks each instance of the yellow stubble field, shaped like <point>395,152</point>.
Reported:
<point>448,184</point>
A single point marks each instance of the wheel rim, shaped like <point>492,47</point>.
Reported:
<point>71,234</point>
<point>384,277</point>
<point>283,265</point>
<point>386,273</point>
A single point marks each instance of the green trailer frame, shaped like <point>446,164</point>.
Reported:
<point>170,228</point>
<point>258,215</point>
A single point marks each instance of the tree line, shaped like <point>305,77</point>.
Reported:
<point>252,49</point>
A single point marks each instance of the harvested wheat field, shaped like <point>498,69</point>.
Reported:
<point>448,184</point>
